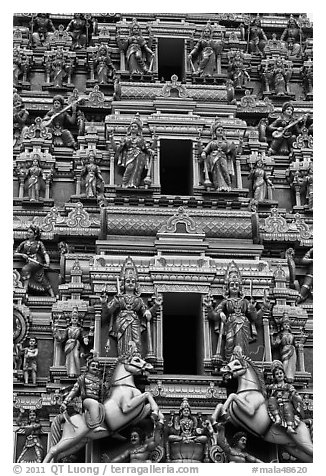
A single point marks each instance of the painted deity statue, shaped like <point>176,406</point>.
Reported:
<point>284,403</point>
<point>285,341</point>
<point>58,119</point>
<point>280,77</point>
<point>257,37</point>
<point>20,117</point>
<point>33,450</point>
<point>140,447</point>
<point>80,29</point>
<point>30,355</point>
<point>206,51</point>
<point>291,37</point>
<point>259,181</point>
<point>139,55</point>
<point>42,29</point>
<point>89,387</point>
<point>219,155</point>
<point>133,154</point>
<point>284,131</point>
<point>306,288</point>
<point>33,251</point>
<point>73,338</point>
<point>94,182</point>
<point>34,175</point>
<point>234,316</point>
<point>185,427</point>
<point>58,67</point>
<point>104,66</point>
<point>129,315</point>
<point>237,70</point>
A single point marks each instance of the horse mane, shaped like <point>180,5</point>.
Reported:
<point>258,373</point>
<point>109,377</point>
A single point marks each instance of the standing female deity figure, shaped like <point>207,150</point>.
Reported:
<point>237,70</point>
<point>104,66</point>
<point>59,69</point>
<point>234,315</point>
<point>94,182</point>
<point>259,181</point>
<point>219,155</point>
<point>284,131</point>
<point>138,51</point>
<point>33,450</point>
<point>286,342</point>
<point>306,288</point>
<point>80,30</point>
<point>58,119</point>
<point>42,29</point>
<point>33,251</point>
<point>34,174</point>
<point>291,36</point>
<point>257,37</point>
<point>133,154</point>
<point>284,404</point>
<point>72,337</point>
<point>206,50</point>
<point>30,355</point>
<point>20,116</point>
<point>129,315</point>
<point>280,77</point>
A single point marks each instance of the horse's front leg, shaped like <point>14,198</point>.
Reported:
<point>227,403</point>
<point>129,404</point>
<point>247,407</point>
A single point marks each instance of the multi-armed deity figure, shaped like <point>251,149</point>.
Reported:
<point>80,29</point>
<point>237,69</point>
<point>133,154</point>
<point>104,66</point>
<point>33,251</point>
<point>257,37</point>
<point>42,29</point>
<point>30,355</point>
<point>259,180</point>
<point>206,52</point>
<point>292,37</point>
<point>219,155</point>
<point>20,117</point>
<point>58,119</point>
<point>33,450</point>
<point>234,315</point>
<point>284,130</point>
<point>139,55</point>
<point>285,341</point>
<point>94,182</point>
<point>306,288</point>
<point>284,403</point>
<point>129,315</point>
<point>73,337</point>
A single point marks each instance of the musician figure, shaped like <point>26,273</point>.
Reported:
<point>57,118</point>
<point>284,131</point>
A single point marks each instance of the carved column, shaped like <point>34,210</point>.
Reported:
<point>238,172</point>
<point>78,182</point>
<point>57,350</point>
<point>158,334</point>
<point>97,328</point>
<point>156,166</point>
<point>207,335</point>
<point>195,166</point>
<point>111,176</point>
<point>301,357</point>
<point>21,187</point>
<point>267,341</point>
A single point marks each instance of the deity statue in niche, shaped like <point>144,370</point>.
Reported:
<point>206,51</point>
<point>80,30</point>
<point>42,29</point>
<point>257,37</point>
<point>33,450</point>
<point>94,182</point>
<point>285,341</point>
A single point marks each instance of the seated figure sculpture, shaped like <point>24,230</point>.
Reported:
<point>186,442</point>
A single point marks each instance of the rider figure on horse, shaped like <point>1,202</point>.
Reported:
<point>284,403</point>
<point>89,387</point>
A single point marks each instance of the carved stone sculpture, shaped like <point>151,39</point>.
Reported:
<point>133,154</point>
<point>186,442</point>
<point>33,450</point>
<point>30,355</point>
<point>307,78</point>
<point>234,315</point>
<point>20,117</point>
<point>73,337</point>
<point>306,288</point>
<point>94,182</point>
<point>285,341</point>
<point>218,156</point>
<point>80,30</point>
<point>57,119</point>
<point>58,66</point>
<point>130,315</point>
<point>42,29</point>
<point>257,37</point>
<point>237,69</point>
<point>103,65</point>
<point>34,175</point>
<point>284,403</point>
<point>206,52</point>
<point>284,130</point>
<point>292,37</point>
<point>259,181</point>
<point>37,259</point>
<point>138,51</point>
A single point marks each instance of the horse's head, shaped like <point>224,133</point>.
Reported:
<point>235,368</point>
<point>136,365</point>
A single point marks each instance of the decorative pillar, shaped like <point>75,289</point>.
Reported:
<point>97,328</point>
<point>156,166</point>
<point>301,357</point>
<point>159,333</point>
<point>57,350</point>
<point>238,173</point>
<point>207,335</point>
<point>111,176</point>
<point>78,182</point>
<point>267,341</point>
<point>21,188</point>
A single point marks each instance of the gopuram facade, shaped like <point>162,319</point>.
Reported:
<point>163,199</point>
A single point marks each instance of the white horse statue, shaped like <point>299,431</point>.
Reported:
<point>248,409</point>
<point>125,406</point>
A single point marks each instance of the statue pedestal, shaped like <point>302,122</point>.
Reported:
<point>186,451</point>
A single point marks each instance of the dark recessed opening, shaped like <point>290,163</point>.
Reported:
<point>176,174</point>
<point>182,334</point>
<point>170,58</point>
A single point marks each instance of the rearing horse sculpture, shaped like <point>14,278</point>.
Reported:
<point>125,406</point>
<point>248,409</point>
